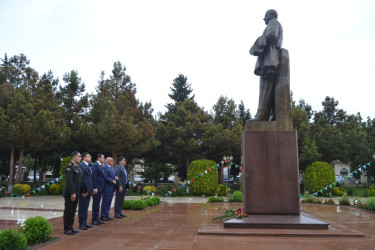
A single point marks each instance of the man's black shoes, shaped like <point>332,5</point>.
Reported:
<point>105,219</point>
<point>83,227</point>
<point>88,226</point>
<point>118,216</point>
<point>123,215</point>
<point>97,223</point>
<point>74,231</point>
<point>69,232</point>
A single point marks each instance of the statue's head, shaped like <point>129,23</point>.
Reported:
<point>270,14</point>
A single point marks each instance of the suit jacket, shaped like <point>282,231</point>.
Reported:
<point>267,48</point>
<point>98,177</point>
<point>123,178</point>
<point>109,177</point>
<point>86,176</point>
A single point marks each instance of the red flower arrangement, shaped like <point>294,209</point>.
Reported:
<point>229,214</point>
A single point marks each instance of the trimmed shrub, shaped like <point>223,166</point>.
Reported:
<point>21,189</point>
<point>205,184</point>
<point>236,197</point>
<point>215,199</point>
<point>338,191</point>
<point>128,204</point>
<point>139,204</point>
<point>308,199</point>
<point>10,239</point>
<point>55,188</point>
<point>318,175</point>
<point>222,190</point>
<point>150,188</point>
<point>36,229</point>
<point>150,202</point>
<point>370,204</point>
<point>371,191</point>
<point>156,199</point>
<point>344,201</point>
<point>64,162</point>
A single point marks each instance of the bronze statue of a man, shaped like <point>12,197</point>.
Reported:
<point>268,48</point>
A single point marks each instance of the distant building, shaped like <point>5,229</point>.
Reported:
<point>343,170</point>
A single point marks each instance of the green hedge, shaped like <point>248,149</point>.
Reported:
<point>21,189</point>
<point>156,199</point>
<point>344,201</point>
<point>222,190</point>
<point>215,199</point>
<point>36,229</point>
<point>128,204</point>
<point>150,202</point>
<point>370,203</point>
<point>64,162</point>
<point>12,240</point>
<point>338,191</point>
<point>318,175</point>
<point>205,184</point>
<point>236,197</point>
<point>55,188</point>
<point>141,204</point>
<point>371,191</point>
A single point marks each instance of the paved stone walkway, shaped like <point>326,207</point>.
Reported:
<point>174,224</point>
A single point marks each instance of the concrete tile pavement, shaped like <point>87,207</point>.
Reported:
<point>174,225</point>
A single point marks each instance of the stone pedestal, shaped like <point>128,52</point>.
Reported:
<point>302,221</point>
<point>270,179</point>
<point>270,172</point>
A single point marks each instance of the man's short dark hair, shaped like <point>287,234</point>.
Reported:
<point>120,158</point>
<point>84,154</point>
<point>74,153</point>
<point>99,156</point>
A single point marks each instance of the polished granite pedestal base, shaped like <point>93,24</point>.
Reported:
<point>302,221</point>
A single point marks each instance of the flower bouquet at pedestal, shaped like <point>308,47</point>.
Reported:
<point>229,214</point>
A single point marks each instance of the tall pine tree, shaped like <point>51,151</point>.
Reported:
<point>181,90</point>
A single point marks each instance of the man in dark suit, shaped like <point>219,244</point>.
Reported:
<point>72,192</point>
<point>98,188</point>
<point>84,202</point>
<point>109,187</point>
<point>122,185</point>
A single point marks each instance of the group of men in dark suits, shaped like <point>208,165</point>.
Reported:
<point>98,181</point>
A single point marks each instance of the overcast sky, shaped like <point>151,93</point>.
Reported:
<point>331,46</point>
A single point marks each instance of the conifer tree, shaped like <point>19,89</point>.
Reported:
<point>181,90</point>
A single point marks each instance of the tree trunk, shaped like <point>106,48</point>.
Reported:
<point>35,166</point>
<point>187,165</point>
<point>10,181</point>
<point>114,156</point>
<point>221,175</point>
<point>41,173</point>
<point>19,169</point>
